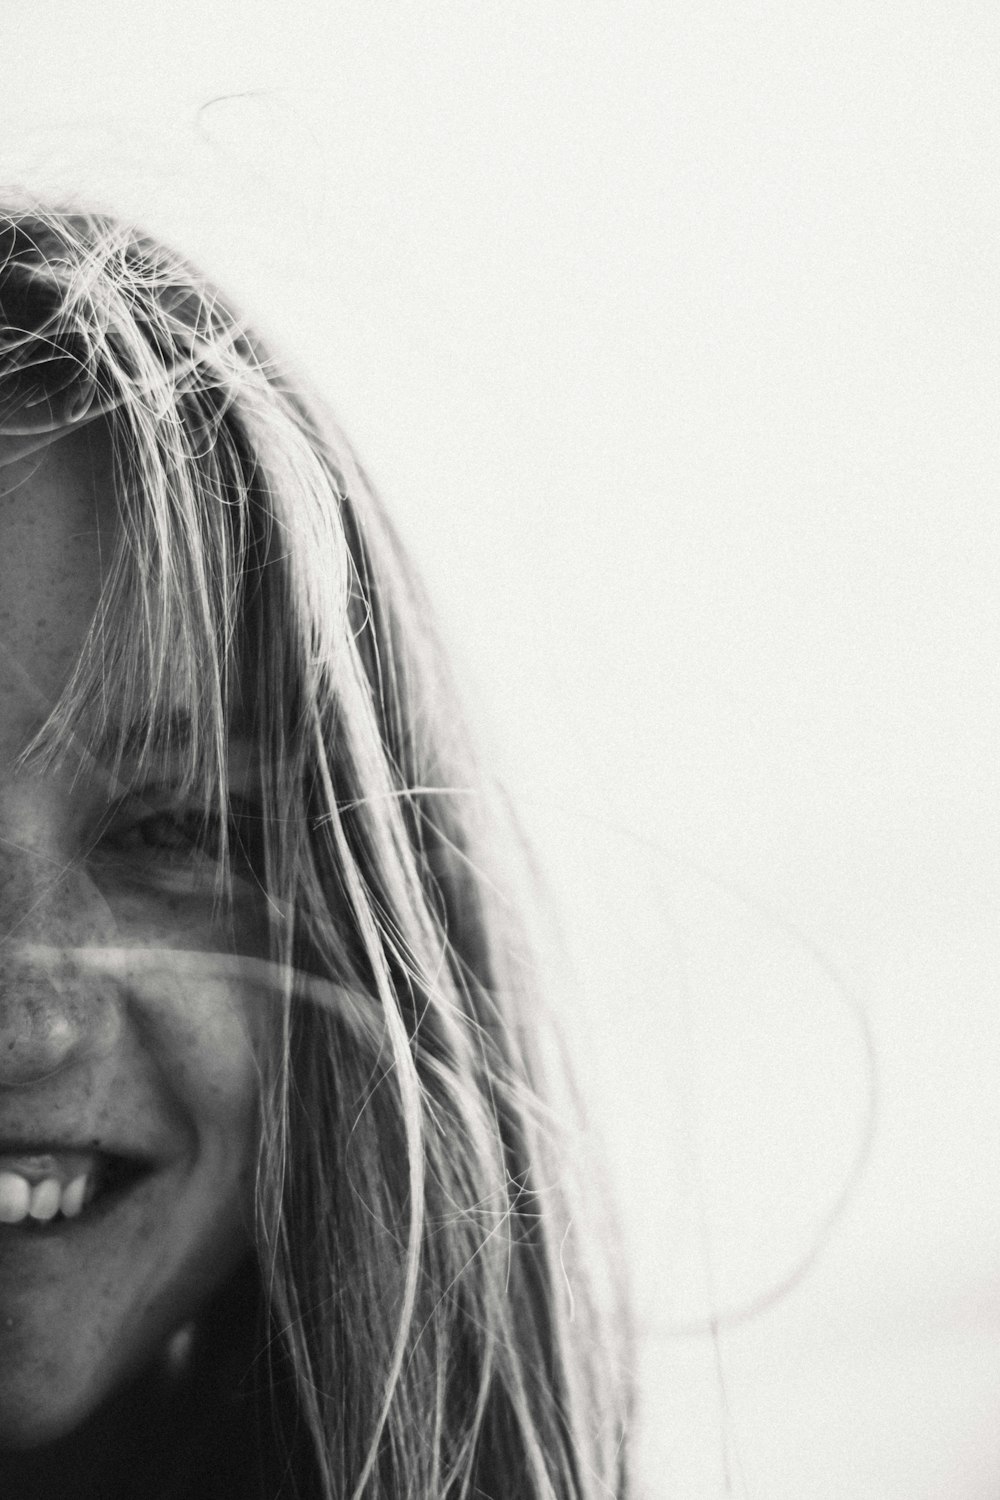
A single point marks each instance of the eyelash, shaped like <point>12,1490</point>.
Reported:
<point>181,834</point>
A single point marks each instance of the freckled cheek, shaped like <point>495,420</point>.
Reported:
<point>218,1175</point>
<point>208,950</point>
<point>227,1121</point>
<point>214,1036</point>
<point>204,1035</point>
<point>209,1021</point>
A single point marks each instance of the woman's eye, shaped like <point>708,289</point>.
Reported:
<point>186,837</point>
<point>184,833</point>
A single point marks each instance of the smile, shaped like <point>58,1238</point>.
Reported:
<point>51,1187</point>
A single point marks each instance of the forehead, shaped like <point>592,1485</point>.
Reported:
<point>60,545</point>
<point>58,484</point>
<point>57,527</point>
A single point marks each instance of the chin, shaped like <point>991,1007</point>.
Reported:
<point>30,1418</point>
<point>50,1393</point>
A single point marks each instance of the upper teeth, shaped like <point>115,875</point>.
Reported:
<point>20,1199</point>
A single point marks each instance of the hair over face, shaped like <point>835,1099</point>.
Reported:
<point>423,1258</point>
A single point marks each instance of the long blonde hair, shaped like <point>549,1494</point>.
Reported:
<point>423,1256</point>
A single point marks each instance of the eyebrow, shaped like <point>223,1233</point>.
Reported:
<point>140,755</point>
<point>173,728</point>
<point>164,733</point>
<point>154,742</point>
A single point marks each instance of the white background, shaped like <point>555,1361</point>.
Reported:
<point>670,333</point>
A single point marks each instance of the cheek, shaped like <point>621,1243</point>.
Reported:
<point>205,1036</point>
<point>197,1026</point>
<point>203,1015</point>
<point>202,991</point>
<point>204,1027</point>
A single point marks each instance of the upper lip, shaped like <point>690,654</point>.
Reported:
<point>83,1145</point>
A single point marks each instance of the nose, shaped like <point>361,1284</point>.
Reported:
<point>53,1014</point>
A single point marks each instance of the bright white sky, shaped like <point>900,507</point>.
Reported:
<point>670,332</point>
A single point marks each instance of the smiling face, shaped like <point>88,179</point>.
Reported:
<point>130,1025</point>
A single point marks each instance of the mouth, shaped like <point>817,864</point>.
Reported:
<point>46,1189</point>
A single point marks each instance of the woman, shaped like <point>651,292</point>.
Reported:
<point>281,1206</point>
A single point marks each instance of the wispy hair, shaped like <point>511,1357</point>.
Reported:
<point>439,1321</point>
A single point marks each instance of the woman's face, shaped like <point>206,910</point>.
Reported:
<point>128,1029</point>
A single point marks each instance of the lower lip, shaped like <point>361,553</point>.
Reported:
<point>105,1202</point>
